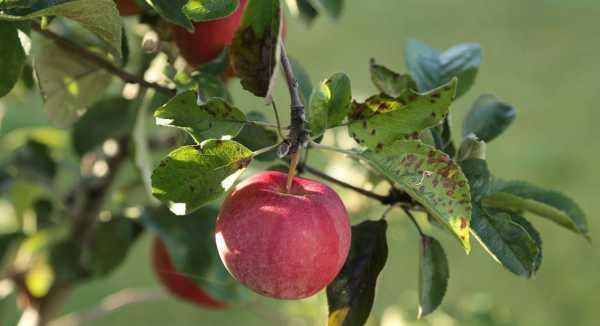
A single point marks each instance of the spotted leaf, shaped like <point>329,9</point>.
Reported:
<point>191,176</point>
<point>390,82</point>
<point>431,178</point>
<point>383,119</point>
<point>214,119</point>
<point>350,296</point>
<point>255,46</point>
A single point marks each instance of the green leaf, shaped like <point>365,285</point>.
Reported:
<point>65,261</point>
<point>256,137</point>
<point>8,241</point>
<point>212,86</point>
<point>116,117</point>
<point>431,68</point>
<point>67,82</point>
<point>100,17</point>
<point>191,176</point>
<point>508,238</point>
<point>332,7</point>
<point>33,159</point>
<point>12,57</point>
<point>329,103</point>
<point>351,294</point>
<point>303,79</point>
<point>217,66</point>
<point>472,148</point>
<point>255,46</point>
<point>488,118</point>
<point>172,10</point>
<point>191,246</point>
<point>306,11</point>
<point>478,174</point>
<point>215,119</point>
<point>390,82</point>
<point>141,151</point>
<point>521,196</point>
<point>431,178</point>
<point>382,120</point>
<point>534,234</point>
<point>204,10</point>
<point>507,241</point>
<point>433,275</point>
<point>110,246</point>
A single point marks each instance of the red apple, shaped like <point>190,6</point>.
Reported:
<point>175,282</point>
<point>279,244</point>
<point>127,7</point>
<point>209,38</point>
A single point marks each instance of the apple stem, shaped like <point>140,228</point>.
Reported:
<point>292,171</point>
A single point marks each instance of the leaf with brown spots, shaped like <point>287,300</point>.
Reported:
<point>351,294</point>
<point>215,119</point>
<point>254,49</point>
<point>382,119</point>
<point>191,176</point>
<point>390,82</point>
<point>431,178</point>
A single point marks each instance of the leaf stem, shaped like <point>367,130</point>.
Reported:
<point>100,61</point>
<point>276,112</point>
<point>414,221</point>
<point>386,212</point>
<point>343,184</point>
<point>265,150</point>
<point>333,149</point>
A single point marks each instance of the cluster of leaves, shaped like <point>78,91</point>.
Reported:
<point>402,132</point>
<point>42,245</point>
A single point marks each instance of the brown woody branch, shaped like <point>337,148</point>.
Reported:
<point>395,196</point>
<point>101,62</point>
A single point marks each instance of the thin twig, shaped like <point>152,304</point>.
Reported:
<point>298,135</point>
<point>109,304</point>
<point>343,184</point>
<point>100,61</point>
<point>395,196</point>
<point>333,149</point>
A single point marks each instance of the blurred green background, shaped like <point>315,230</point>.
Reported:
<point>539,55</point>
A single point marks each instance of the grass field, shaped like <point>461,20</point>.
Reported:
<point>541,56</point>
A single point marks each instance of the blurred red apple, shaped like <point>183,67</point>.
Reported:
<point>127,7</point>
<point>279,244</point>
<point>209,38</point>
<point>178,284</point>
